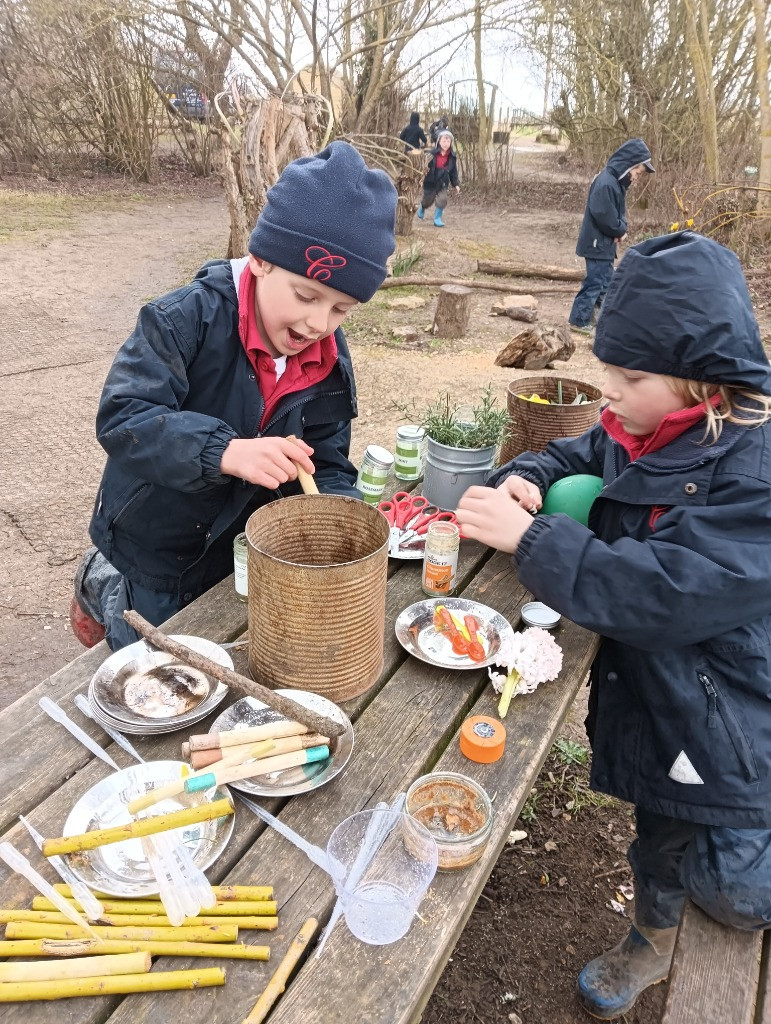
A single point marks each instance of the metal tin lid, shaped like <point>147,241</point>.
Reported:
<point>380,456</point>
<point>410,433</point>
<point>536,613</point>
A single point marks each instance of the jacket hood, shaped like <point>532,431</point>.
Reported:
<point>414,119</point>
<point>631,153</point>
<point>678,305</point>
<point>220,276</point>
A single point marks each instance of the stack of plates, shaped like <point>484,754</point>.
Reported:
<point>144,692</point>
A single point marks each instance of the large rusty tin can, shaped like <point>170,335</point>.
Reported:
<point>318,568</point>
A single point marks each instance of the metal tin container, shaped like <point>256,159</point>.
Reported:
<point>457,812</point>
<point>240,563</point>
<point>318,566</point>
<point>536,613</point>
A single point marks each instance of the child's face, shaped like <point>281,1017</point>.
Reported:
<point>640,400</point>
<point>444,143</point>
<point>294,311</point>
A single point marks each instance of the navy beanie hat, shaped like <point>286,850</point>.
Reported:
<point>678,305</point>
<point>330,218</point>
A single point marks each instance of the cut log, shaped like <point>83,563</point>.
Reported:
<point>453,311</point>
<point>490,286</point>
<point>535,347</point>
<point>517,307</point>
<point>530,270</point>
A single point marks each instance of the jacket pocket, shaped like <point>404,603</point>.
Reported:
<point>719,711</point>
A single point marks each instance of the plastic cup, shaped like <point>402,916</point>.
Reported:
<point>381,863</point>
<point>572,495</point>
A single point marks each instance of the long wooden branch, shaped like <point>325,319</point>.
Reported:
<point>530,270</point>
<point>284,706</point>
<point>490,286</point>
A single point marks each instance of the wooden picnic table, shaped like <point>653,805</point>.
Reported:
<point>405,726</point>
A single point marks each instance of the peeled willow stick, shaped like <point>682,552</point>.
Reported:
<point>87,967</point>
<point>286,707</point>
<point>252,893</point>
<point>141,920</point>
<point>228,908</point>
<point>90,947</point>
<point>277,983</point>
<point>203,758</point>
<point>201,933</point>
<point>236,737</point>
<point>135,829</point>
<point>154,796</point>
<point>159,981</point>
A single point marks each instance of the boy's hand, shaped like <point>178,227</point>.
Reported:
<point>266,461</point>
<point>493,517</point>
<point>525,493</point>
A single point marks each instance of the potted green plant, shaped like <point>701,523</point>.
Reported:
<point>461,443</point>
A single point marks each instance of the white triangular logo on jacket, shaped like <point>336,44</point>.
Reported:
<point>683,771</point>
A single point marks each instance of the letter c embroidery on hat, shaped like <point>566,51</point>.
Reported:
<point>322,262</point>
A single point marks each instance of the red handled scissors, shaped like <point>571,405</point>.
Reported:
<point>418,525</point>
<point>402,508</point>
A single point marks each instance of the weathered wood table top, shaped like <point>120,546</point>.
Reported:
<point>405,726</point>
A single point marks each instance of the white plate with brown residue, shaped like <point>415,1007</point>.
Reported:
<point>141,690</point>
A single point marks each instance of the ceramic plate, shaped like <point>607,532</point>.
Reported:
<point>147,690</point>
<point>248,712</point>
<point>416,633</point>
<point>120,869</point>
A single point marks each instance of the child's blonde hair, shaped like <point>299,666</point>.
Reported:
<point>737,404</point>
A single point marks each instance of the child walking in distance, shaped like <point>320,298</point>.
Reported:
<point>412,135</point>
<point>442,172</point>
<point>604,225</point>
<point>200,400</point>
<point>673,573</point>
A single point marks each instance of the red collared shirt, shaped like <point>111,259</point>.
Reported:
<point>303,370</point>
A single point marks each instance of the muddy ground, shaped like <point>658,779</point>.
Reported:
<point>78,269</point>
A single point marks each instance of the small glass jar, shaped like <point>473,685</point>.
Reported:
<point>240,566</point>
<point>374,472</point>
<point>410,445</point>
<point>457,812</point>
<point>440,561</point>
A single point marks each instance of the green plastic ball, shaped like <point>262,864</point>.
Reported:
<point>573,495</point>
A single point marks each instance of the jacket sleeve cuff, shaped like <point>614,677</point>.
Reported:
<point>211,456</point>
<point>529,539</point>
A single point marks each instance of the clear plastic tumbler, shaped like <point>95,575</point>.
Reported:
<point>382,865</point>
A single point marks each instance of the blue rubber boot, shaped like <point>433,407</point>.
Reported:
<point>608,987</point>
<point>421,213</point>
<point>438,222</point>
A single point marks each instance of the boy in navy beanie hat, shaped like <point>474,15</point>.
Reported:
<point>198,405</point>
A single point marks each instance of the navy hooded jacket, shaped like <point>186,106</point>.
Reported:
<point>413,135</point>
<point>180,389</point>
<point>605,214</point>
<point>674,569</point>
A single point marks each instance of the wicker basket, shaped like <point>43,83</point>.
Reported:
<point>318,566</point>
<point>532,425</point>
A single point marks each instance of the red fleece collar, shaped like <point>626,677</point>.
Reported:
<point>306,368</point>
<point>670,428</point>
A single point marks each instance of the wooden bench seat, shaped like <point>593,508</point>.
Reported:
<point>719,975</point>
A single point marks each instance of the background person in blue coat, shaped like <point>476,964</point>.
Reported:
<point>197,406</point>
<point>673,573</point>
<point>604,225</point>
<point>442,172</point>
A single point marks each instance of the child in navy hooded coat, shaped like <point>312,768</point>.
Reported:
<point>673,572</point>
<point>604,225</point>
<point>200,400</point>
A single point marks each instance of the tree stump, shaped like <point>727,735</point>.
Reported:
<point>536,347</point>
<point>453,311</point>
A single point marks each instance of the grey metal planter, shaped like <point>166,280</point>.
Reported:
<point>451,471</point>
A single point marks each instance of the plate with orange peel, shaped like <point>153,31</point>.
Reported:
<point>427,632</point>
